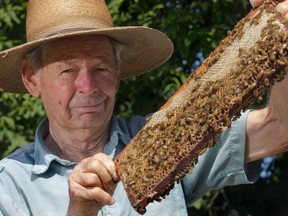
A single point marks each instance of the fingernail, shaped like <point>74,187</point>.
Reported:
<point>115,176</point>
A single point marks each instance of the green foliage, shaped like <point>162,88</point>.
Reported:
<point>19,116</point>
<point>193,26</point>
<point>12,15</point>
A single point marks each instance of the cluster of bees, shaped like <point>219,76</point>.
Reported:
<point>163,152</point>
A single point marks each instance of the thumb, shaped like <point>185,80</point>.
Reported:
<point>255,3</point>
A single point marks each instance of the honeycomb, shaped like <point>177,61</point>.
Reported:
<point>241,69</point>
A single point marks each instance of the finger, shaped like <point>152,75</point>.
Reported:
<point>101,196</point>
<point>88,180</point>
<point>105,161</point>
<point>255,3</point>
<point>110,166</point>
<point>282,7</point>
<point>103,168</point>
<point>89,193</point>
<point>99,168</point>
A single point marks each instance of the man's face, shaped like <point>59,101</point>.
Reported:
<point>78,82</point>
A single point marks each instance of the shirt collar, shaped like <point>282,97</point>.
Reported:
<point>44,158</point>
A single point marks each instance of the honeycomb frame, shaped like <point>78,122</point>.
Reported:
<point>227,82</point>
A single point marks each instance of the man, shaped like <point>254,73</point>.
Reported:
<point>75,65</point>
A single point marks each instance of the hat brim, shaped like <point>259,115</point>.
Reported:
<point>144,49</point>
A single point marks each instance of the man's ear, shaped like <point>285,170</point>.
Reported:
<point>30,77</point>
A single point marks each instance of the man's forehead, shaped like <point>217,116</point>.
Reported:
<point>78,46</point>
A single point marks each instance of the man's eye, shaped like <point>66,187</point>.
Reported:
<point>69,70</point>
<point>103,70</point>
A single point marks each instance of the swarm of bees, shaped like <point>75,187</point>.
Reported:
<point>243,67</point>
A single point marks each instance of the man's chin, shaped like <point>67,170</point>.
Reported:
<point>90,120</point>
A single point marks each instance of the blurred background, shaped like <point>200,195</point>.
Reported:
<point>195,27</point>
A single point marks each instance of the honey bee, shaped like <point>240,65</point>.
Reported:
<point>280,62</point>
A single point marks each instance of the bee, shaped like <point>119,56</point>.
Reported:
<point>280,62</point>
<point>202,151</point>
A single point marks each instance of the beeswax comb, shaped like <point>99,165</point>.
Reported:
<point>245,65</point>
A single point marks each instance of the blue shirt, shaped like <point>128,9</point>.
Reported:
<point>33,181</point>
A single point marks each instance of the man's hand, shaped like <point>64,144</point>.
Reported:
<point>281,7</point>
<point>91,185</point>
<point>267,128</point>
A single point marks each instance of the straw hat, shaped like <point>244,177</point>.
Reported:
<point>143,48</point>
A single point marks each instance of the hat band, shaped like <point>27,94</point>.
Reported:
<point>63,31</point>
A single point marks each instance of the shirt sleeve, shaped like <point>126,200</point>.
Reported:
<point>223,164</point>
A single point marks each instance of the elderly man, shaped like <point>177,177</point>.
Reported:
<point>73,64</point>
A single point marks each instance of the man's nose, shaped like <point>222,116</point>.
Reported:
<point>86,83</point>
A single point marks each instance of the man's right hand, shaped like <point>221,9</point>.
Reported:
<point>91,185</point>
